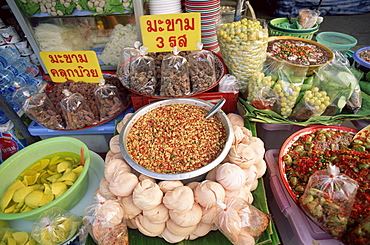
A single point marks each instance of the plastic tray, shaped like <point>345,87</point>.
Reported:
<point>304,230</point>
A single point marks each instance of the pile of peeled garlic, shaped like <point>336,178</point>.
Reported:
<point>172,210</point>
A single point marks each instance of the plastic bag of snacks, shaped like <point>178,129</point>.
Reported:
<point>39,108</point>
<point>201,68</point>
<point>175,79</point>
<point>228,84</point>
<point>108,100</point>
<point>307,18</point>
<point>104,221</point>
<point>12,236</point>
<point>328,199</point>
<point>75,110</point>
<point>56,226</point>
<point>124,62</point>
<point>239,221</point>
<point>243,47</point>
<point>142,76</point>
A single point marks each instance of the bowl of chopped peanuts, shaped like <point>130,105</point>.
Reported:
<point>172,140</point>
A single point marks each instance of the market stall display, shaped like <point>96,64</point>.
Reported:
<point>330,144</point>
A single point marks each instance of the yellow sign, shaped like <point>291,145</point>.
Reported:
<point>163,32</point>
<point>72,65</point>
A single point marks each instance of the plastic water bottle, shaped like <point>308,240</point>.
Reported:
<point>31,71</point>
<point>18,66</point>
<point>14,85</point>
<point>38,82</point>
<point>6,76</point>
<point>8,56</point>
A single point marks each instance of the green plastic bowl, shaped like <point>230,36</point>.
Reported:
<point>336,41</point>
<point>276,30</point>
<point>12,167</point>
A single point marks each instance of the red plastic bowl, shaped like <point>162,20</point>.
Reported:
<point>293,138</point>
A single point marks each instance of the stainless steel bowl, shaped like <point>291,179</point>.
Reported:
<point>189,176</point>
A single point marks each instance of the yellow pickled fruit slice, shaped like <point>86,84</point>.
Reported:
<point>3,223</point>
<point>31,179</point>
<point>78,170</point>
<point>41,165</point>
<point>11,241</point>
<point>46,198</point>
<point>28,173</point>
<point>7,198</point>
<point>33,199</point>
<point>47,189</point>
<point>63,166</point>
<point>2,243</point>
<point>68,176</point>
<point>25,208</point>
<point>55,160</point>
<point>54,178</point>
<point>20,195</point>
<point>31,242</point>
<point>10,208</point>
<point>19,205</point>
<point>52,169</point>
<point>58,188</point>
<point>20,237</point>
<point>6,235</point>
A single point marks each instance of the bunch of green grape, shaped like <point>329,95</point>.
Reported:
<point>287,95</point>
<point>256,83</point>
<point>243,47</point>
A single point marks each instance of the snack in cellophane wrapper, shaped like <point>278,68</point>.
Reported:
<point>288,87</point>
<point>39,108</point>
<point>104,221</point>
<point>142,76</point>
<point>328,199</point>
<point>175,80</point>
<point>11,236</point>
<point>360,235</point>
<point>240,222</point>
<point>228,84</point>
<point>201,68</point>
<point>124,62</point>
<point>56,226</point>
<point>108,100</point>
<point>75,110</point>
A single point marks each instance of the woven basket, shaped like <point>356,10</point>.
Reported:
<point>275,30</point>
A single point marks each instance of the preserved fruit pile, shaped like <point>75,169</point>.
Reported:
<point>243,47</point>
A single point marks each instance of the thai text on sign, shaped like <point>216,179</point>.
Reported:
<point>161,33</point>
<point>72,65</point>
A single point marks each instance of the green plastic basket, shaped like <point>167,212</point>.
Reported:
<point>275,30</point>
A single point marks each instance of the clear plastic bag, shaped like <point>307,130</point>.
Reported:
<point>328,199</point>
<point>39,108</point>
<point>175,80</point>
<point>228,84</point>
<point>288,87</point>
<point>124,62</point>
<point>307,18</point>
<point>142,76</point>
<point>75,110</point>
<point>104,221</point>
<point>240,222</point>
<point>56,226</point>
<point>108,100</point>
<point>202,69</point>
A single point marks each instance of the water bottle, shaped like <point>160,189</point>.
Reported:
<point>6,76</point>
<point>39,83</point>
<point>7,57</point>
<point>14,85</point>
<point>18,66</point>
<point>25,77</point>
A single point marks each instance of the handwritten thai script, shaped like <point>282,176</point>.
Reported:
<point>68,58</point>
<point>177,24</point>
